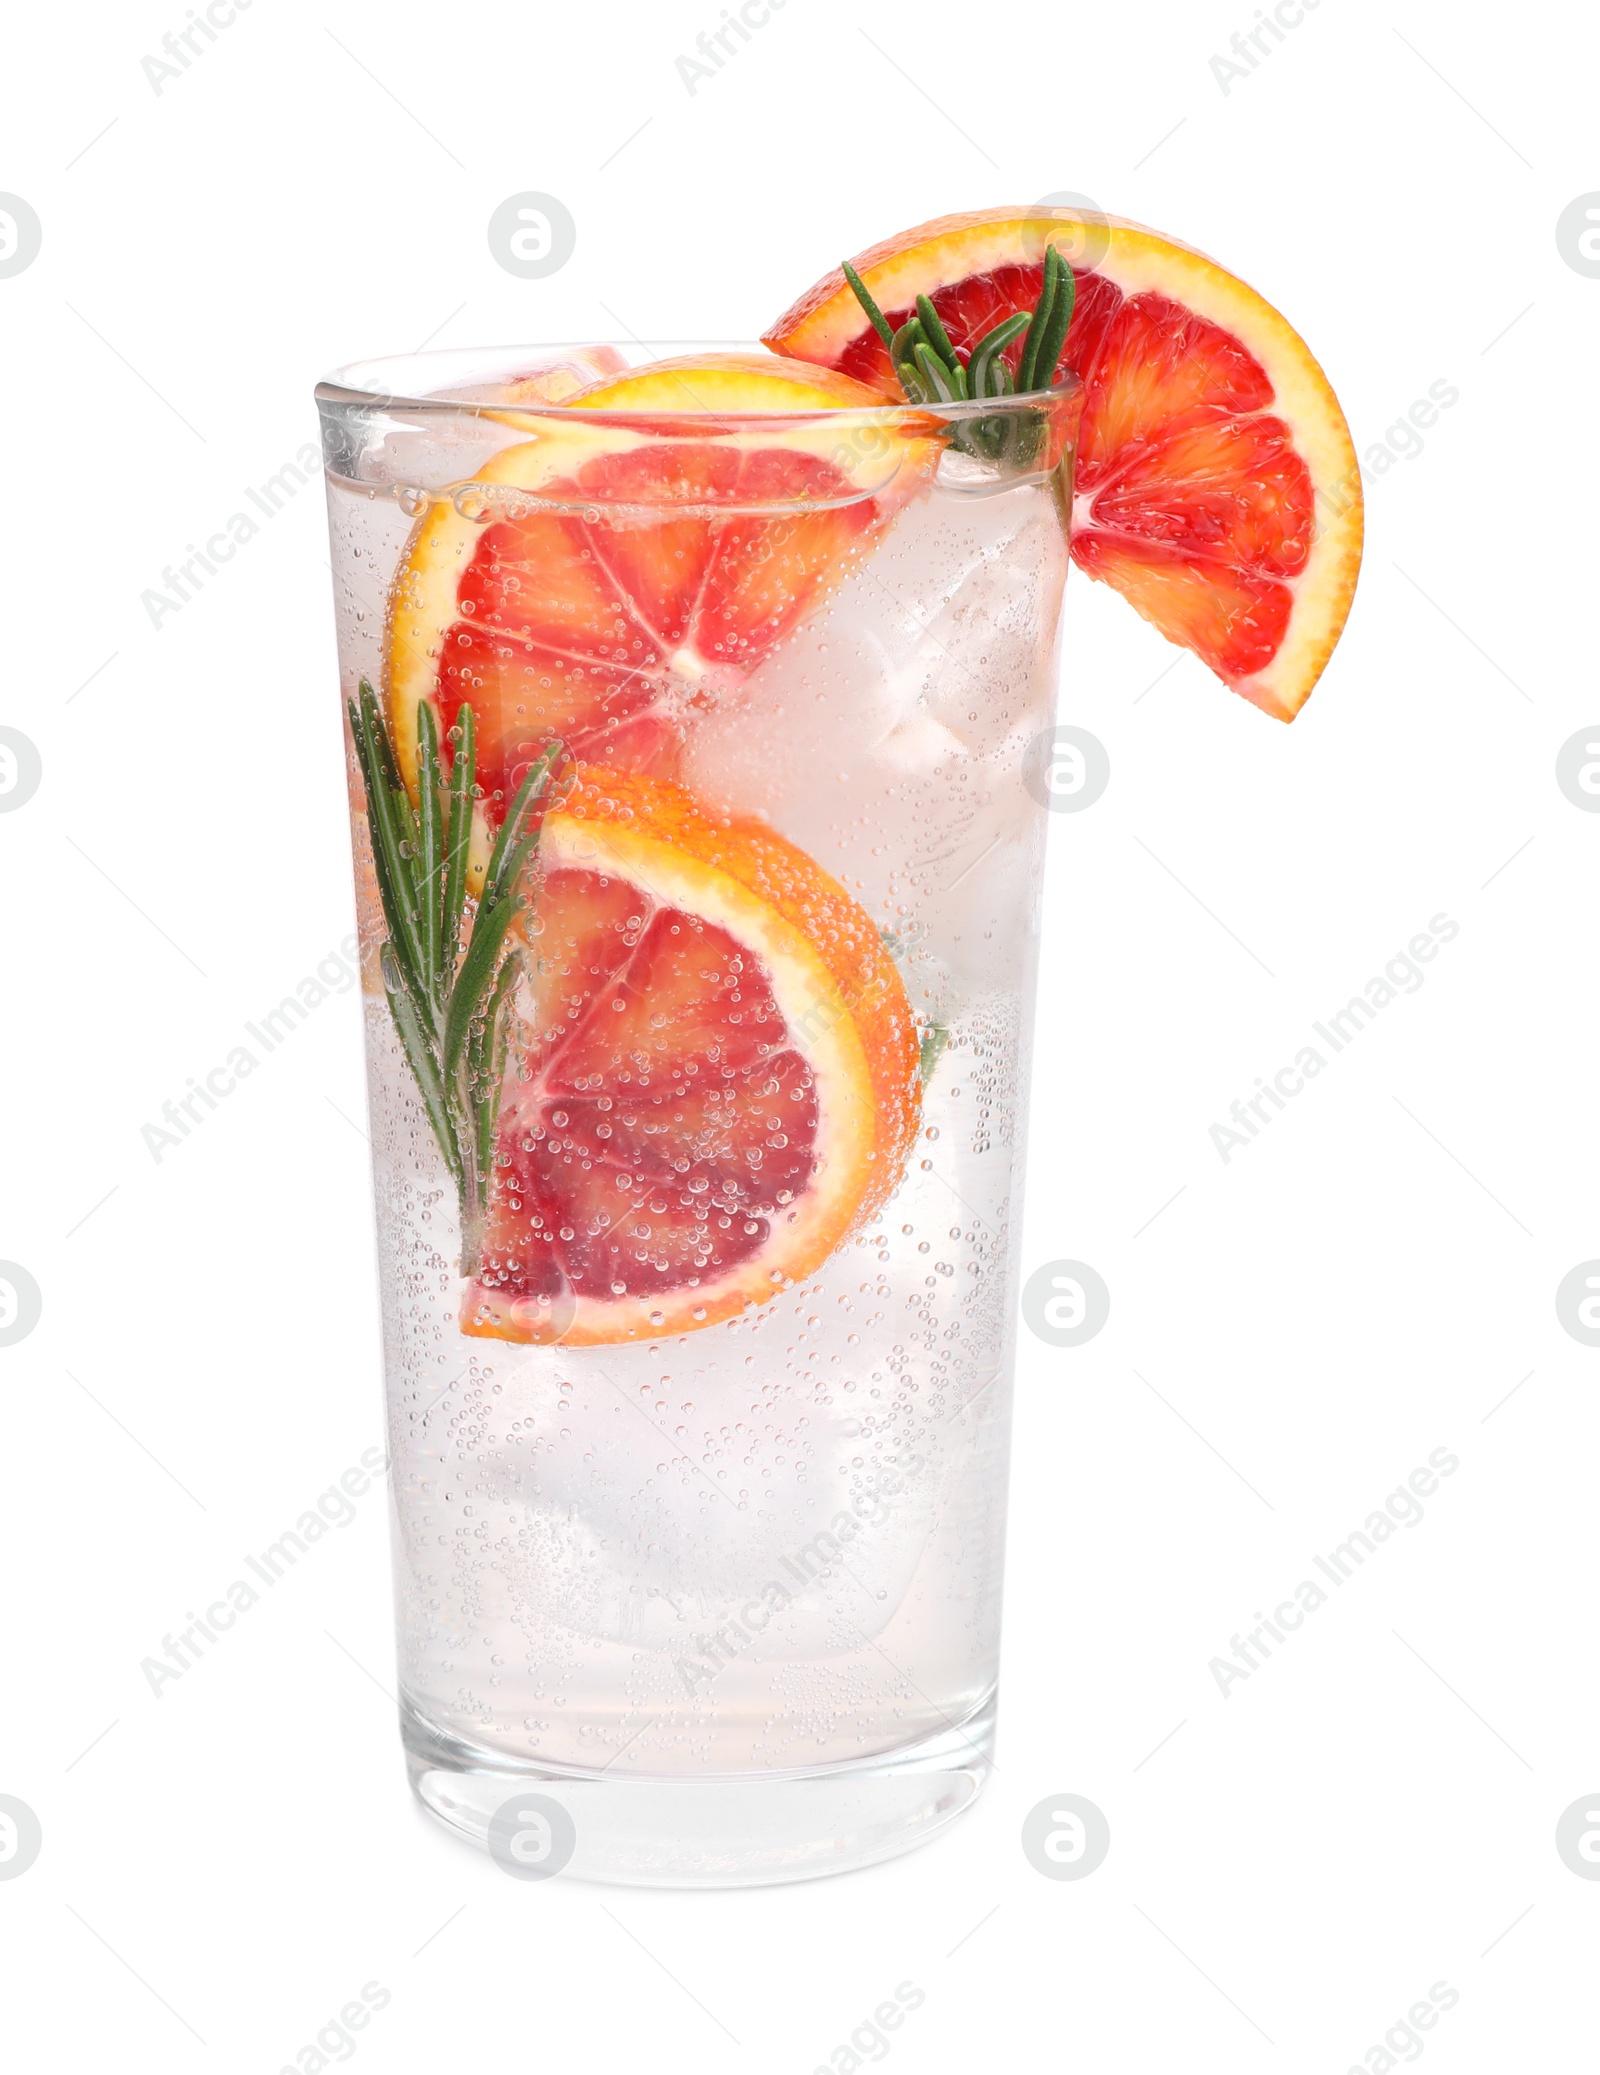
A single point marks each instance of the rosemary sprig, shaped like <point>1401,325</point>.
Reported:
<point>931,371</point>
<point>1047,333</point>
<point>447,967</point>
<point>880,323</point>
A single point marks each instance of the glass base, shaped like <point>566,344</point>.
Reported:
<point>717,1832</point>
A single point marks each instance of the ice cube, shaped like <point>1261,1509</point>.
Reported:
<point>886,735</point>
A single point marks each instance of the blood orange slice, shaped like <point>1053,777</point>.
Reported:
<point>1217,486</point>
<point>601,581</point>
<point>718,1079</point>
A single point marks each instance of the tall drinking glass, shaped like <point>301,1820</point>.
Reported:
<point>698,829</point>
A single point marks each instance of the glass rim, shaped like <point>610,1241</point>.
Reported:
<point>354,385</point>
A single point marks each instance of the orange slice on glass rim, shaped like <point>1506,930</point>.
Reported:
<point>1216,483</point>
<point>718,1074</point>
<point>604,580</point>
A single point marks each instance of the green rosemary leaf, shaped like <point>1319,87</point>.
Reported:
<point>419,1052</point>
<point>405,822</point>
<point>392,868</point>
<point>496,910</point>
<point>948,385</point>
<point>985,366</point>
<point>935,334</point>
<point>458,841</point>
<point>429,854</point>
<point>903,357</point>
<point>934,1040</point>
<point>1026,370</point>
<point>514,842</point>
<point>903,346</point>
<point>863,296</point>
<point>1055,336</point>
<point>492,1069</point>
<point>906,337</point>
<point>370,782</point>
<point>386,758</point>
<point>466,997</point>
<point>474,1075</point>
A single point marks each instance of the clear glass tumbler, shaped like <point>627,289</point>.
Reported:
<point>698,817</point>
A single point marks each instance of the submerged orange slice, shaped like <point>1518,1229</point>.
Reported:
<point>718,1080</point>
<point>1216,483</point>
<point>602,581</point>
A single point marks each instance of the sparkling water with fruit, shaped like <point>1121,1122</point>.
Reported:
<point>699,728</point>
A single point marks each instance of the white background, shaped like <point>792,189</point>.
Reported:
<point>1371,1812</point>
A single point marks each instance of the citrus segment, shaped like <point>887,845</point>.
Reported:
<point>730,383</point>
<point>562,595</point>
<point>718,1079</point>
<point>1216,483</point>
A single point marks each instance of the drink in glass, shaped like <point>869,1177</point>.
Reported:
<point>693,716</point>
